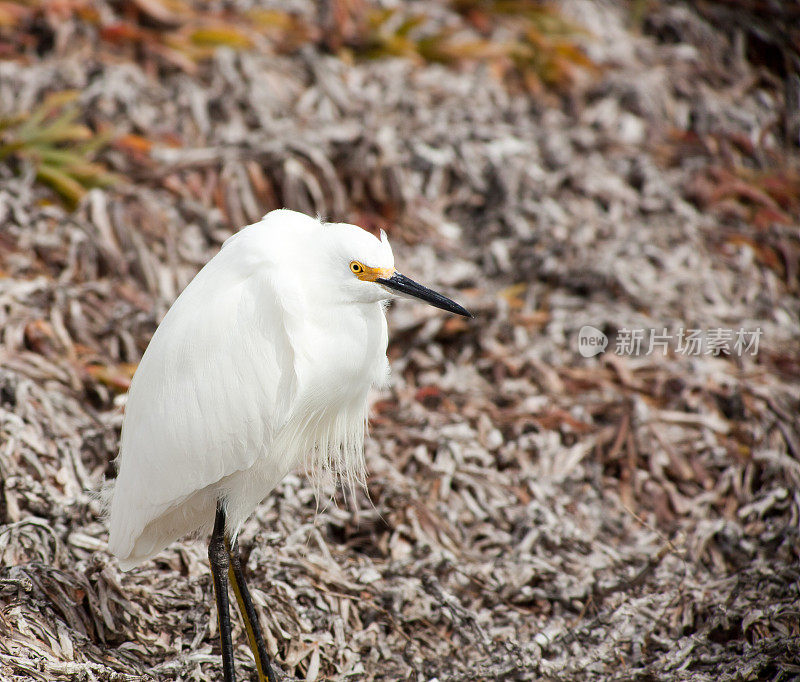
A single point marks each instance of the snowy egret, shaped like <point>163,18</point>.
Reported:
<point>264,361</point>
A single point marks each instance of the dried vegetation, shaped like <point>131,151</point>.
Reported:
<point>532,514</point>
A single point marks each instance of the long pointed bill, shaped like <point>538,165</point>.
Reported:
<point>408,287</point>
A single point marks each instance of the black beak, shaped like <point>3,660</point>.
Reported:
<point>409,287</point>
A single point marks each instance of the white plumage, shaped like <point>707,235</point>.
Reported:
<point>265,359</point>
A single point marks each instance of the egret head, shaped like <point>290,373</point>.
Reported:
<point>365,266</point>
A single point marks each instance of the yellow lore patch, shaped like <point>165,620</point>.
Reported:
<point>368,274</point>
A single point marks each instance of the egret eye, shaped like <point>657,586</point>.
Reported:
<point>356,268</point>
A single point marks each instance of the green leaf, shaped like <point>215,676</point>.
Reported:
<point>67,187</point>
<point>221,36</point>
<point>51,104</point>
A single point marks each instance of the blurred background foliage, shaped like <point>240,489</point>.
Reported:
<point>527,44</point>
<point>59,147</point>
<point>536,47</point>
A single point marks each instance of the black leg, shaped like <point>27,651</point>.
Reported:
<point>220,563</point>
<point>249,616</point>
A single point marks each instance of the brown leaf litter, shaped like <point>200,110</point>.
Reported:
<point>532,514</point>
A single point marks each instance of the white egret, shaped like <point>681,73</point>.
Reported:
<point>264,360</point>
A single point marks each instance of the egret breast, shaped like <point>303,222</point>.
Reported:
<point>341,355</point>
<point>344,354</point>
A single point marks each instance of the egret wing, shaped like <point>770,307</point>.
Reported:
<point>212,389</point>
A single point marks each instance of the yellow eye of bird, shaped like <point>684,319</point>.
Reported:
<point>356,268</point>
